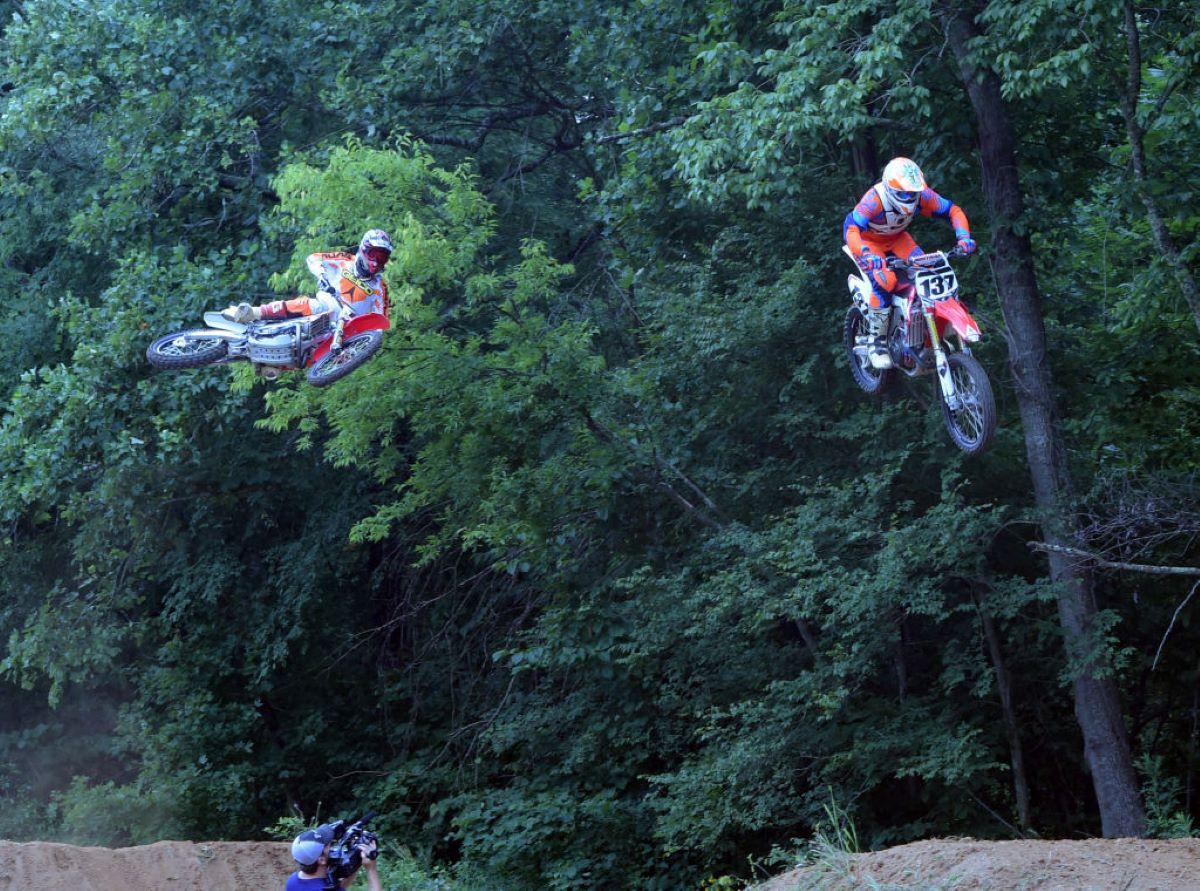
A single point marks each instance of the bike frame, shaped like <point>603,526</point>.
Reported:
<point>346,326</point>
<point>939,312</point>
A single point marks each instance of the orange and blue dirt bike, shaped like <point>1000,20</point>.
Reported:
<point>330,345</point>
<point>929,331</point>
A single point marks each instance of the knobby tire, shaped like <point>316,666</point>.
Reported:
<point>354,352</point>
<point>979,416</point>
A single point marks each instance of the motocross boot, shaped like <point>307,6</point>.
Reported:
<point>877,329</point>
<point>243,313</point>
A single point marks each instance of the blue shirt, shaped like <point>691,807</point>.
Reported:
<point>297,882</point>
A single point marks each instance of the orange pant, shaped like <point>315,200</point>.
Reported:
<point>297,306</point>
<point>884,280</point>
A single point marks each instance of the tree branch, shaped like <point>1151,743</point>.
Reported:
<point>485,127</point>
<point>1178,610</point>
<point>1149,568</point>
<point>641,131</point>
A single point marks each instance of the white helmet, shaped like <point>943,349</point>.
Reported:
<point>903,183</point>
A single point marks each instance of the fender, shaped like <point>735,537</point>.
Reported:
<point>231,336</point>
<point>859,285</point>
<point>216,320</point>
<point>956,315</point>
<point>368,321</point>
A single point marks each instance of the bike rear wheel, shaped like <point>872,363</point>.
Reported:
<point>869,379</point>
<point>354,352</point>
<point>186,349</point>
<point>973,423</point>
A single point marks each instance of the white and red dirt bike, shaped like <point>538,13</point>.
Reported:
<point>929,330</point>
<point>330,346</point>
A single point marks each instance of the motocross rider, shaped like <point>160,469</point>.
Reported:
<point>876,228</point>
<point>357,278</point>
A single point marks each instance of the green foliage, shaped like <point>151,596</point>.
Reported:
<point>838,829</point>
<point>1161,793</point>
<point>402,870</point>
<point>114,816</point>
<point>439,222</point>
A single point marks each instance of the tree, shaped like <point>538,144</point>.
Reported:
<point>1137,155</point>
<point>1097,701</point>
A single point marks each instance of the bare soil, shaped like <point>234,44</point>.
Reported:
<point>1125,864</point>
<point>167,865</point>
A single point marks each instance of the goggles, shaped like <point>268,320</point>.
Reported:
<point>905,196</point>
<point>378,256</point>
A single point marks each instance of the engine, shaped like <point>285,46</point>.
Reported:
<point>285,344</point>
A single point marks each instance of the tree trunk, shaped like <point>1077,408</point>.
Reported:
<point>1137,153</point>
<point>1097,705</point>
<point>863,156</point>
<point>1193,737</point>
<point>1004,687</point>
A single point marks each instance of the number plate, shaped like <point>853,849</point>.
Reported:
<point>936,284</point>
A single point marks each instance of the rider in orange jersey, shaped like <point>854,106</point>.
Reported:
<point>877,228</point>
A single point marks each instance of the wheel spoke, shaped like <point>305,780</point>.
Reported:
<point>347,353</point>
<point>353,353</point>
<point>186,346</point>
<point>969,415</point>
<point>186,350</point>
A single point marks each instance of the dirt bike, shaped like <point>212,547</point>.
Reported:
<point>330,348</point>
<point>929,330</point>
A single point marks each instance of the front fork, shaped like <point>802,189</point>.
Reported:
<point>945,380</point>
<point>338,328</point>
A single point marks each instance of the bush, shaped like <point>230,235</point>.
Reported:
<point>114,816</point>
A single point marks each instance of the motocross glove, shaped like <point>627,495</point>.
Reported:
<point>869,260</point>
<point>966,243</point>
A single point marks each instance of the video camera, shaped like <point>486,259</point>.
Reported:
<point>344,857</point>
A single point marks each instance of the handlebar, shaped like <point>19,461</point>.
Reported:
<point>898,263</point>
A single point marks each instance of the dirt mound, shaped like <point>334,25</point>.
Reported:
<point>168,865</point>
<point>1128,864</point>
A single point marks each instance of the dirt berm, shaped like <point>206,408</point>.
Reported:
<point>177,866</point>
<point>1123,864</point>
<point>934,865</point>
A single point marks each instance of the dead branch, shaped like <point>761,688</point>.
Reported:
<point>1150,568</point>
<point>1171,625</point>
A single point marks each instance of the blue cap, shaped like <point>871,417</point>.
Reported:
<point>310,844</point>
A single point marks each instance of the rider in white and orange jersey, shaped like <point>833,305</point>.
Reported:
<point>357,278</point>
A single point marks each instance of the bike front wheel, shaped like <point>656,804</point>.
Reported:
<point>973,423</point>
<point>354,352</point>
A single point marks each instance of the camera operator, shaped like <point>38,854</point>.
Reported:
<point>311,849</point>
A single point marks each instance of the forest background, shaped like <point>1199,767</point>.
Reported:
<point>603,572</point>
